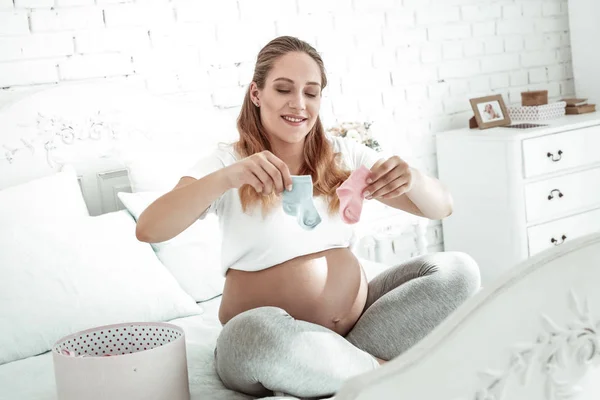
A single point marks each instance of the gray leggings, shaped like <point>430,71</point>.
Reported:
<point>265,350</point>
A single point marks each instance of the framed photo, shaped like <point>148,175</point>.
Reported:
<point>490,111</point>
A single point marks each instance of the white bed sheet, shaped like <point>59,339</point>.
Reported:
<point>33,378</point>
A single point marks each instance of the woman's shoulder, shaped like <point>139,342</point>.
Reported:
<point>347,147</point>
<point>225,153</point>
<point>339,144</point>
<point>212,159</point>
<point>227,149</point>
<point>353,153</point>
<point>335,141</point>
<point>344,145</point>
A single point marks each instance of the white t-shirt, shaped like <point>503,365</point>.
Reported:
<point>251,242</point>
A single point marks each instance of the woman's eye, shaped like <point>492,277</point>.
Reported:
<point>289,91</point>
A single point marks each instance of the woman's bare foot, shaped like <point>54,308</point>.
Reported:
<point>380,361</point>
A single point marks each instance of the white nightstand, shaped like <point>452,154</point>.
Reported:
<point>520,192</point>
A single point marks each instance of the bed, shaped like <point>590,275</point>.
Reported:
<point>532,334</point>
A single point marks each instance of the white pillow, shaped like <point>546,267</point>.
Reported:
<point>57,196</point>
<point>193,256</point>
<point>62,276</point>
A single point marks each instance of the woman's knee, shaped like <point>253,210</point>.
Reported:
<point>454,270</point>
<point>463,272</point>
<point>251,334</point>
<point>247,349</point>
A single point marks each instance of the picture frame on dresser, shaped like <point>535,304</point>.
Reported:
<point>490,111</point>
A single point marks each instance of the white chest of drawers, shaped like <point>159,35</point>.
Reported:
<point>520,192</point>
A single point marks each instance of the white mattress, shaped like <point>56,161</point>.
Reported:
<point>33,378</point>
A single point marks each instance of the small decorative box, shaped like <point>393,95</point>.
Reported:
<point>134,361</point>
<point>534,98</point>
<point>537,113</point>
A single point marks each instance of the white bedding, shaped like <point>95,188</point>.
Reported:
<point>33,378</point>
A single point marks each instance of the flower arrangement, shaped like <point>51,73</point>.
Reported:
<point>357,131</point>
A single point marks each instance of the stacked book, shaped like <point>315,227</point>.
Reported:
<point>579,106</point>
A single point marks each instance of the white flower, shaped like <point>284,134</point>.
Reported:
<point>354,135</point>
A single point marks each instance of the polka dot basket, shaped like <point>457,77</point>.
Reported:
<point>537,113</point>
<point>124,361</point>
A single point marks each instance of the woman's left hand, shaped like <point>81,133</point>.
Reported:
<point>389,178</point>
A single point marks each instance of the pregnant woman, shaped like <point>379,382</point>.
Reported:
<point>299,315</point>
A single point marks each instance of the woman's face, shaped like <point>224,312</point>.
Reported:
<point>291,98</point>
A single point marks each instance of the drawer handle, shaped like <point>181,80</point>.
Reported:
<point>556,242</point>
<point>551,156</point>
<point>551,195</point>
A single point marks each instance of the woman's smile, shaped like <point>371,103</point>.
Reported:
<point>294,120</point>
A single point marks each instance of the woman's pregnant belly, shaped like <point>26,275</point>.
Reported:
<point>328,288</point>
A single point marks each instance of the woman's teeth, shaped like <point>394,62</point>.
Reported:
<point>293,119</point>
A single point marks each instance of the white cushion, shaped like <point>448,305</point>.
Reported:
<point>193,256</point>
<point>62,276</point>
<point>57,196</point>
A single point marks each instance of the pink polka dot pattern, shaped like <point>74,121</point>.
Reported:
<point>114,340</point>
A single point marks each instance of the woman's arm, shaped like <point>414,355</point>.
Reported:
<point>397,185</point>
<point>175,211</point>
<point>427,198</point>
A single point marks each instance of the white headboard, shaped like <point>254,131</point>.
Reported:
<point>86,125</point>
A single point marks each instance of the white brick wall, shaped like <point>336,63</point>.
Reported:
<point>13,22</point>
<point>65,3</point>
<point>66,19</point>
<point>95,66</point>
<point>139,14</point>
<point>112,40</point>
<point>438,15</point>
<point>418,61</point>
<point>6,4</point>
<point>34,3</point>
<point>29,72</point>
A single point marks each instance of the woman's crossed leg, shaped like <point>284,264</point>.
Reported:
<point>265,350</point>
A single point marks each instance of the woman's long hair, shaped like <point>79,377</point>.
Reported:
<point>319,160</point>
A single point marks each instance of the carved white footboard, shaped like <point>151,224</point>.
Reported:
<point>534,334</point>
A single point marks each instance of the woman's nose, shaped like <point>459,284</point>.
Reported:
<point>297,102</point>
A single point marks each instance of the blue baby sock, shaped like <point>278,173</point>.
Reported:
<point>299,202</point>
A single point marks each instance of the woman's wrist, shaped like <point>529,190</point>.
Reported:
<point>430,196</point>
<point>213,184</point>
<point>417,179</point>
<point>221,180</point>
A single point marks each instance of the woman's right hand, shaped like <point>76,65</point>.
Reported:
<point>263,171</point>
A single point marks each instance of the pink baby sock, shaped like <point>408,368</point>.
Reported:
<point>350,194</point>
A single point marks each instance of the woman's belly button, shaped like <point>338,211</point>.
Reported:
<point>344,323</point>
<point>338,308</point>
<point>344,313</point>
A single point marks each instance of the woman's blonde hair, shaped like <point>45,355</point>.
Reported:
<point>320,162</point>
